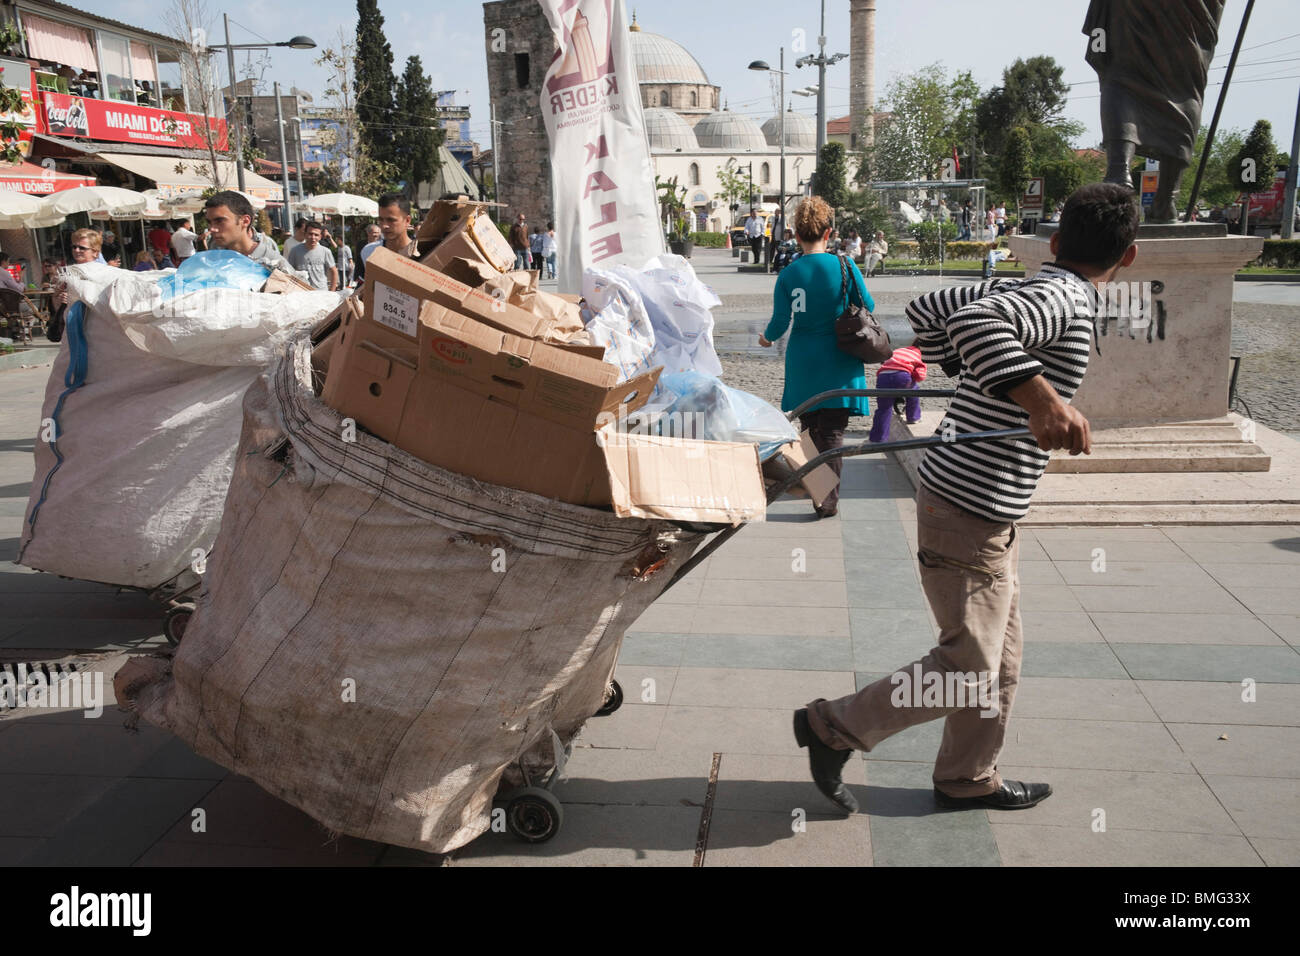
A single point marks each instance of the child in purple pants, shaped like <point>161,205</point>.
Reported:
<point>904,369</point>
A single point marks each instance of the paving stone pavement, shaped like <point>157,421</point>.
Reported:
<point>1161,698</point>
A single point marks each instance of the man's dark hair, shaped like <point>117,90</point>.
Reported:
<point>1099,222</point>
<point>313,224</point>
<point>4,257</point>
<point>235,202</point>
<point>395,199</point>
<point>300,223</point>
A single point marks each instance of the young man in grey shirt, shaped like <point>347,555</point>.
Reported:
<point>315,260</point>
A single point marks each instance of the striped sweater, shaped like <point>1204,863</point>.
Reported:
<point>995,335</point>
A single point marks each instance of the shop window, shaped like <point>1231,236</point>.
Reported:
<point>116,55</point>
<point>171,81</point>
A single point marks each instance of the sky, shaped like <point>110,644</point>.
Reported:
<point>983,37</point>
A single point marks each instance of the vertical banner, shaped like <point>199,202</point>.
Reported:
<point>606,211</point>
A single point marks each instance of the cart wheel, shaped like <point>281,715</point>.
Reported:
<point>533,814</point>
<point>613,699</point>
<point>174,624</point>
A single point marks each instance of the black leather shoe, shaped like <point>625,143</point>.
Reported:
<point>1014,795</point>
<point>826,764</point>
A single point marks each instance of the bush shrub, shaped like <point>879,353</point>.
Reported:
<point>908,249</point>
<point>709,240</point>
<point>1281,254</point>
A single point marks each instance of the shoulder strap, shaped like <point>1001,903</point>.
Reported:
<point>844,284</point>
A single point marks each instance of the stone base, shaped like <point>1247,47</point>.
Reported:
<point>1177,483</point>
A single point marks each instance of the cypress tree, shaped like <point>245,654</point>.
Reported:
<point>418,135</point>
<point>374,83</point>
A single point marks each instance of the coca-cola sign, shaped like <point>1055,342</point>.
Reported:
<point>67,115</point>
<point>67,119</point>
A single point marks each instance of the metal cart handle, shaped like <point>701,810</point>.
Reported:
<point>846,451</point>
<point>871,393</point>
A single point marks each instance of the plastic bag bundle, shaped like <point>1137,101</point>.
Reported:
<point>721,413</point>
<point>214,269</point>
<point>678,305</point>
<point>143,413</point>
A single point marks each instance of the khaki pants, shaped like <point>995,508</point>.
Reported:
<point>970,572</point>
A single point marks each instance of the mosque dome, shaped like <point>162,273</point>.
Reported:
<point>730,131</point>
<point>667,130</point>
<point>661,60</point>
<point>800,131</point>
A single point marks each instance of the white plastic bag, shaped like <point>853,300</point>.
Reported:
<point>678,305</point>
<point>720,412</point>
<point>617,320</point>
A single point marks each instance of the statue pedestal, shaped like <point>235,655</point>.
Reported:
<point>1157,394</point>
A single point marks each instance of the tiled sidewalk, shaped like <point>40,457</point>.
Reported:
<point>1131,703</point>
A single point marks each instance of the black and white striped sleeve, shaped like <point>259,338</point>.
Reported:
<point>994,336</point>
<point>929,314</point>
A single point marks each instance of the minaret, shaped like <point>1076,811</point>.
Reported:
<point>862,67</point>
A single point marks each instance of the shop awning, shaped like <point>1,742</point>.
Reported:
<point>39,181</point>
<point>176,176</point>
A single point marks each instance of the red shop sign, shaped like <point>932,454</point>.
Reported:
<point>65,115</point>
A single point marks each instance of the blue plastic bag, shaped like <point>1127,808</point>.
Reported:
<point>721,413</point>
<point>214,269</point>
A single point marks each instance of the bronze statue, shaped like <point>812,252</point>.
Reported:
<point>1152,57</point>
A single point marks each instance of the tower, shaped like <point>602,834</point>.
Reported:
<point>862,66</point>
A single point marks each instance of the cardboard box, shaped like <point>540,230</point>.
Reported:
<point>396,287</point>
<point>817,484</point>
<point>563,317</point>
<point>461,229</point>
<point>513,411</point>
<point>325,336</point>
<point>280,281</point>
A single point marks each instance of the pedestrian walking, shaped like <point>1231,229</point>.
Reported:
<point>535,249</point>
<point>1000,217</point>
<point>315,260</point>
<point>754,235</point>
<point>990,225</point>
<point>299,234</point>
<point>964,234</point>
<point>183,240</point>
<point>904,369</point>
<point>810,295</point>
<point>519,242</point>
<point>549,247</point>
<point>1021,348</point>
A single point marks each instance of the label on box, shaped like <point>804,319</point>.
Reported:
<point>397,310</point>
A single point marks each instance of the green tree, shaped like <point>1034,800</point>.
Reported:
<point>1016,164</point>
<point>735,187</point>
<point>374,82</point>
<point>11,100</point>
<point>930,115</point>
<point>1060,178</point>
<point>828,180</point>
<point>1216,189</point>
<point>864,212</point>
<point>1251,169</point>
<point>1031,97</point>
<point>417,138</point>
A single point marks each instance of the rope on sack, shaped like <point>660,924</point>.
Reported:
<point>73,379</point>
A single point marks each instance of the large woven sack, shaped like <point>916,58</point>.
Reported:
<point>378,641</point>
<point>136,446</point>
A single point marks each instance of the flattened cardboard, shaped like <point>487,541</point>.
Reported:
<point>682,479</point>
<point>520,288</point>
<point>817,484</point>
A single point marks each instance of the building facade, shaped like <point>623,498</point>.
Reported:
<point>690,137</point>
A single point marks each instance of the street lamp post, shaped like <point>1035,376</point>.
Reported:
<point>284,161</point>
<point>821,61</point>
<point>297,134</point>
<point>762,66</point>
<point>297,43</point>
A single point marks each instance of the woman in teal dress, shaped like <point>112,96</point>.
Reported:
<point>810,293</point>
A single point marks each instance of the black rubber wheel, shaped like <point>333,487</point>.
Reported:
<point>174,624</point>
<point>533,814</point>
<point>613,699</point>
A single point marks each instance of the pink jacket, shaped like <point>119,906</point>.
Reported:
<point>907,359</point>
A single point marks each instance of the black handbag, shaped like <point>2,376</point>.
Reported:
<point>856,330</point>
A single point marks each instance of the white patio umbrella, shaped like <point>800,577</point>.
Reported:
<point>342,204</point>
<point>94,199</point>
<point>16,208</point>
